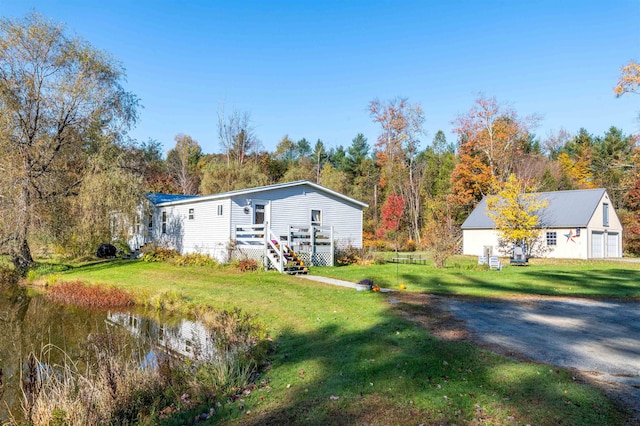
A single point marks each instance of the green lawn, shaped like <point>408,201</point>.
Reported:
<point>347,357</point>
<point>542,277</point>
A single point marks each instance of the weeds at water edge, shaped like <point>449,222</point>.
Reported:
<point>111,383</point>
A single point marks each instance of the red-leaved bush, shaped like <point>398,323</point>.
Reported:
<point>80,294</point>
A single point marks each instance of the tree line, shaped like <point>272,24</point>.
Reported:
<point>68,165</point>
<point>407,178</point>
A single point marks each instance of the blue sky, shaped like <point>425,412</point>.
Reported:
<point>309,69</point>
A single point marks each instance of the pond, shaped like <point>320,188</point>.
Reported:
<point>30,323</point>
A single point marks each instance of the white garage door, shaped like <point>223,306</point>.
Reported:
<point>597,245</point>
<point>613,244</point>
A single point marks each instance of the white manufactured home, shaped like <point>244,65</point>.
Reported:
<point>578,224</point>
<point>273,224</point>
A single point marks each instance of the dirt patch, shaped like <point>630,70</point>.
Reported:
<point>432,313</point>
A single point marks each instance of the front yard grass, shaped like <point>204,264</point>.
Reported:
<point>347,357</point>
<point>464,277</point>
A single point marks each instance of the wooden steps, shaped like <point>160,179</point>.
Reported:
<point>292,264</point>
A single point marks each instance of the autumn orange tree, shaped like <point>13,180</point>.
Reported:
<point>515,213</point>
<point>630,215</point>
<point>490,138</point>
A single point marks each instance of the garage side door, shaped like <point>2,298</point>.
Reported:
<point>597,245</point>
<point>613,244</point>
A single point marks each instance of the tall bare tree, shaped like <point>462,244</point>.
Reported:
<point>59,98</point>
<point>182,162</point>
<point>237,135</point>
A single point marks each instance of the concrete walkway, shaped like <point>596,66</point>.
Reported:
<point>331,281</point>
<point>341,283</point>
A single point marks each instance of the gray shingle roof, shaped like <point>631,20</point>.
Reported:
<point>566,209</point>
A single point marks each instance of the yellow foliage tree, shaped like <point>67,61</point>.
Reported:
<point>629,81</point>
<point>515,213</point>
<point>577,170</point>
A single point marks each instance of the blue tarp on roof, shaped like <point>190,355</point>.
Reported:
<point>157,198</point>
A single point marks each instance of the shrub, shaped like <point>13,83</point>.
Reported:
<point>79,294</point>
<point>193,259</point>
<point>31,275</point>
<point>9,276</point>
<point>52,279</point>
<point>159,254</point>
<point>246,265</point>
<point>241,346</point>
<point>168,300</point>
<point>347,256</point>
<point>409,245</point>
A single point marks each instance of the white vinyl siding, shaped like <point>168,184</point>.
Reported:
<point>292,206</point>
<point>205,232</point>
<point>207,225</point>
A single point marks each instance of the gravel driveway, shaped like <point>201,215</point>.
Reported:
<point>601,339</point>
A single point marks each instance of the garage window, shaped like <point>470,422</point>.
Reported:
<point>605,214</point>
<point>552,238</point>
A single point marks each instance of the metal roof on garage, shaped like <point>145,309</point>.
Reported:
<point>565,209</point>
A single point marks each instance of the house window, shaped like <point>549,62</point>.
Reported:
<point>552,239</point>
<point>316,217</point>
<point>191,214</point>
<point>605,214</point>
<point>164,222</point>
<point>220,210</point>
<point>150,225</point>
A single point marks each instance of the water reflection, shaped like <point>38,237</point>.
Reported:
<point>183,338</point>
<point>29,322</point>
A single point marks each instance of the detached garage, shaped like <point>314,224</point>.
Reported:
<point>579,224</point>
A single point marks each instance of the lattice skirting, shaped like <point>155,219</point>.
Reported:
<point>256,254</point>
<point>319,259</point>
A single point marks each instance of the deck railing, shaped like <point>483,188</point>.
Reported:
<point>314,243</point>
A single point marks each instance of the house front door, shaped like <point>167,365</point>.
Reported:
<point>260,212</point>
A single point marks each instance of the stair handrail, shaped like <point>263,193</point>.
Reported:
<point>270,238</point>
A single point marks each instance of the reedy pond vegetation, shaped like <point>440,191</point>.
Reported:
<point>344,357</point>
<point>114,377</point>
